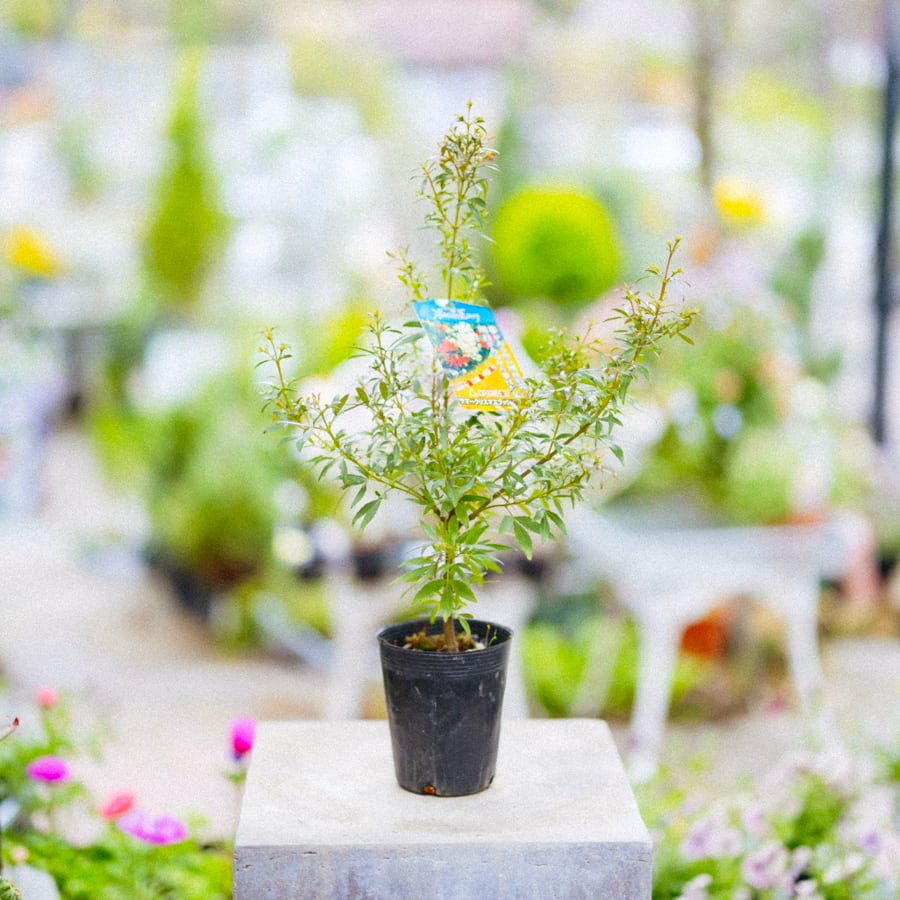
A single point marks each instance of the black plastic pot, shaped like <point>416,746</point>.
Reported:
<point>444,709</point>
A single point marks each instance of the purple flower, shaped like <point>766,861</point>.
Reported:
<point>870,842</point>
<point>698,842</point>
<point>753,819</point>
<point>48,769</point>
<point>243,730</point>
<point>707,840</point>
<point>767,867</point>
<point>152,830</point>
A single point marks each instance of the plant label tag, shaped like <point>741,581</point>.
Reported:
<point>472,351</point>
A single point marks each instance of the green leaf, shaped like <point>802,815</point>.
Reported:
<point>557,521</point>
<point>529,523</point>
<point>429,590</point>
<point>545,529</point>
<point>366,513</point>
<point>523,538</point>
<point>473,534</point>
<point>462,589</point>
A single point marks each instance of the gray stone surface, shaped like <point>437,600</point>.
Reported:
<point>323,817</point>
<point>32,883</point>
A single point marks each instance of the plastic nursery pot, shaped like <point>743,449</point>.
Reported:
<point>444,709</point>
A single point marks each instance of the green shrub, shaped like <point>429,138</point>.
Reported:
<point>556,658</point>
<point>185,236</point>
<point>554,243</point>
<point>207,475</point>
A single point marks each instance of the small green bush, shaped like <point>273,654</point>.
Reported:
<point>556,244</point>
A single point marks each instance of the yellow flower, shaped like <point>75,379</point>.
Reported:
<point>25,249</point>
<point>737,202</point>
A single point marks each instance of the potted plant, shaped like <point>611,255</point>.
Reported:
<point>484,468</point>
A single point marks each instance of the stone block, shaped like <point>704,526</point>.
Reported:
<point>323,817</point>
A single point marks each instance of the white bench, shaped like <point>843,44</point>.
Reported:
<point>668,578</point>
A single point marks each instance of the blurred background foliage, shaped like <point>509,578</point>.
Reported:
<point>176,176</point>
<point>186,230</point>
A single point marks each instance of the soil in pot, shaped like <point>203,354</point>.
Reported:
<point>444,709</point>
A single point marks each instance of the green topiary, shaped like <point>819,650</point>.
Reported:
<point>186,232</point>
<point>554,243</point>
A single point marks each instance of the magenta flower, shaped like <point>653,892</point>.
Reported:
<point>243,730</point>
<point>47,768</point>
<point>159,830</point>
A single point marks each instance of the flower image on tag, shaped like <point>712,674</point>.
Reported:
<point>472,351</point>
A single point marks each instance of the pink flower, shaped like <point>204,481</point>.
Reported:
<point>160,830</point>
<point>117,805</point>
<point>243,730</point>
<point>47,768</point>
<point>46,697</point>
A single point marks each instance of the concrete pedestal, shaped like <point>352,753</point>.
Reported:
<point>323,817</point>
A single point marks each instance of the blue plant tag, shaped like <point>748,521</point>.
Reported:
<point>472,351</point>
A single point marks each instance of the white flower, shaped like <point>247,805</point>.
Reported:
<point>844,868</point>
<point>695,889</point>
<point>807,890</point>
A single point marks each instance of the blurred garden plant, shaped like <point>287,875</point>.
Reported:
<point>208,477</point>
<point>137,854</point>
<point>187,227</point>
<point>744,429</point>
<point>472,477</point>
<point>821,826</point>
<point>554,243</point>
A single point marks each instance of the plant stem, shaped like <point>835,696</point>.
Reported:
<point>450,645</point>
